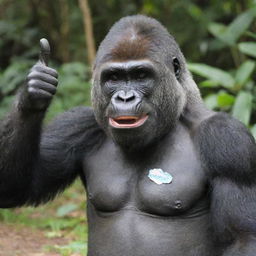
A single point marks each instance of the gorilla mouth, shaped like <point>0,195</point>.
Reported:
<point>127,121</point>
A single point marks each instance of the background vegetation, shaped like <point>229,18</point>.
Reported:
<point>218,38</point>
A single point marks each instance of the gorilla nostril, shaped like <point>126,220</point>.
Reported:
<point>118,98</point>
<point>131,98</point>
<point>125,96</point>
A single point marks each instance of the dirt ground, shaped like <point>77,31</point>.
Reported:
<point>24,241</point>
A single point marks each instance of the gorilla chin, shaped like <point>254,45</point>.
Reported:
<point>133,133</point>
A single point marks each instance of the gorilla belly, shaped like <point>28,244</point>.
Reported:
<point>131,232</point>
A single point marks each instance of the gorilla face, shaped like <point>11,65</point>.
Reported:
<point>137,96</point>
<point>127,85</point>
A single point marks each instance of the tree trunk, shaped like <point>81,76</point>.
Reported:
<point>64,30</point>
<point>88,29</point>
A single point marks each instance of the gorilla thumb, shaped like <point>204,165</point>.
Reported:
<point>45,51</point>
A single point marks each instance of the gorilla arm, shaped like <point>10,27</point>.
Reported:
<point>33,168</point>
<point>228,153</point>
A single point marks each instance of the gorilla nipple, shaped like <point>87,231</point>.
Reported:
<point>178,204</point>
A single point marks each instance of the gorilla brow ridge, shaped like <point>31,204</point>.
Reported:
<point>131,46</point>
<point>138,37</point>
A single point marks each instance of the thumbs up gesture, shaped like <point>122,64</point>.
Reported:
<point>41,82</point>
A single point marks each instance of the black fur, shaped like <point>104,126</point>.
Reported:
<point>64,144</point>
<point>228,153</point>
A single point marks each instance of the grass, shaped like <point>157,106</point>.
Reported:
<point>63,217</point>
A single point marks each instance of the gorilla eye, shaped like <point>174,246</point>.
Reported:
<point>113,77</point>
<point>176,66</point>
<point>141,74</point>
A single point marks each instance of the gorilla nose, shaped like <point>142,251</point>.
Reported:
<point>125,101</point>
<point>124,97</point>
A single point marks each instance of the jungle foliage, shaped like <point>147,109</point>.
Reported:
<point>216,36</point>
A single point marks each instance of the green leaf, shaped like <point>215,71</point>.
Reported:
<point>250,34</point>
<point>214,74</point>
<point>253,130</point>
<point>219,31</point>
<point>225,100</point>
<point>195,11</point>
<point>239,25</point>
<point>244,72</point>
<point>13,76</point>
<point>230,34</point>
<point>243,107</point>
<point>74,68</point>
<point>66,209</point>
<point>209,84</point>
<point>248,48</point>
<point>211,101</point>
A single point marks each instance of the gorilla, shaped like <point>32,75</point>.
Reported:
<point>163,174</point>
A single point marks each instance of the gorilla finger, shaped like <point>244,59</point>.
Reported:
<point>41,68</point>
<point>37,84</point>
<point>42,76</point>
<point>45,51</point>
<point>39,93</point>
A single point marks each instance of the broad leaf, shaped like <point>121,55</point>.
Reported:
<point>248,48</point>
<point>219,31</point>
<point>243,107</point>
<point>225,100</point>
<point>209,84</point>
<point>211,101</point>
<point>244,72</point>
<point>230,34</point>
<point>239,25</point>
<point>215,74</point>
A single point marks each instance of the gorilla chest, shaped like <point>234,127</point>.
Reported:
<point>166,183</point>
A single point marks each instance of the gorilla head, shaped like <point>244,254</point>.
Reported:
<point>141,85</point>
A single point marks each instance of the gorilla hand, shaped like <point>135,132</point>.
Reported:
<point>41,82</point>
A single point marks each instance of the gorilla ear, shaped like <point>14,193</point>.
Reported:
<point>176,67</point>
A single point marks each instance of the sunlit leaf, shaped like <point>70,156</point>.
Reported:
<point>244,72</point>
<point>219,31</point>
<point>243,107</point>
<point>211,101</point>
<point>239,25</point>
<point>225,100</point>
<point>215,74</point>
<point>209,83</point>
<point>248,48</point>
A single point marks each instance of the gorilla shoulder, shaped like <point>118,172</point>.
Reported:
<point>227,148</point>
<point>76,129</point>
